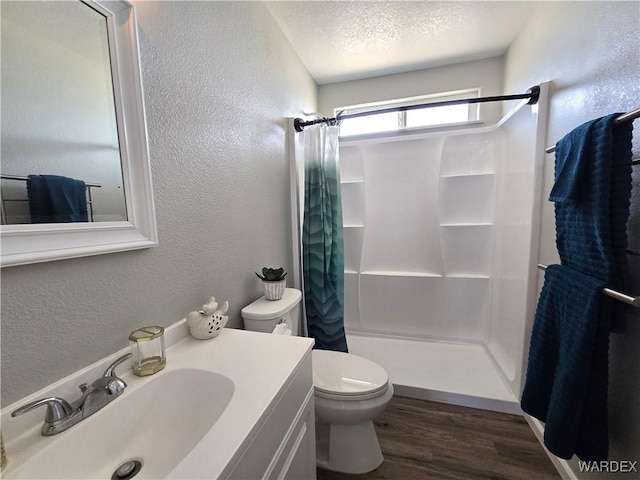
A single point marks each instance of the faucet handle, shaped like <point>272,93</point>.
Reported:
<point>111,369</point>
<point>57,409</point>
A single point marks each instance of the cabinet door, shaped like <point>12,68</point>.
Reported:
<point>301,462</point>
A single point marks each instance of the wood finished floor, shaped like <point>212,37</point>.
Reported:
<point>423,440</point>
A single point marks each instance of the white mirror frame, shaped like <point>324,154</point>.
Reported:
<point>24,244</point>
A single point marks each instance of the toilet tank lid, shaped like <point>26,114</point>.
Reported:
<point>263,309</point>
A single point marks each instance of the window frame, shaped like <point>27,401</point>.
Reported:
<point>472,117</point>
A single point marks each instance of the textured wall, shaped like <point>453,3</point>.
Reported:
<point>486,74</point>
<point>219,80</point>
<point>591,53</point>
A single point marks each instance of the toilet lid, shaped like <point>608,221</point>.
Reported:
<point>345,374</point>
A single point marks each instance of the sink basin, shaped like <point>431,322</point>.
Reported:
<point>158,421</point>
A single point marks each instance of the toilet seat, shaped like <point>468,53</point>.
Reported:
<point>347,377</point>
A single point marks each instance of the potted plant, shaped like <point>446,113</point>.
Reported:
<point>273,282</point>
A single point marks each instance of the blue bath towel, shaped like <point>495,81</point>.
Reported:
<point>567,372</point>
<point>56,199</point>
<point>592,194</point>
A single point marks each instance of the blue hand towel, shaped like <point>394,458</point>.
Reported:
<point>56,199</point>
<point>592,194</point>
<point>567,372</point>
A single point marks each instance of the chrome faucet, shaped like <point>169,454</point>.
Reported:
<point>62,415</point>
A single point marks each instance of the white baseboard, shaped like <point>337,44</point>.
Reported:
<point>563,467</point>
<point>472,401</point>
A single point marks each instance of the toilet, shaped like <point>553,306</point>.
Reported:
<point>350,391</point>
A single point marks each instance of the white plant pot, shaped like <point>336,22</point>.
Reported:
<point>274,290</point>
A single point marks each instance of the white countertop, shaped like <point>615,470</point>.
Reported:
<point>260,366</point>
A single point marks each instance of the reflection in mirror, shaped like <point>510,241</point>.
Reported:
<point>59,149</point>
<point>73,107</point>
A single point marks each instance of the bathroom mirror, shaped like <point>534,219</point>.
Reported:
<point>73,117</point>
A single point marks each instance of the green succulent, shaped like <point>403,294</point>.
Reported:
<point>272,274</point>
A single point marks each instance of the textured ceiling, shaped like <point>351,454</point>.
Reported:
<point>346,40</point>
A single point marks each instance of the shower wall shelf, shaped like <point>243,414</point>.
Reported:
<point>455,175</point>
<point>469,224</point>
<point>402,274</point>
<point>468,276</point>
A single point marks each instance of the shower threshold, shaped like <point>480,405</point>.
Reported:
<point>454,373</point>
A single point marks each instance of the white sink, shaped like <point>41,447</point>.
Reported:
<point>158,423</point>
<point>212,412</point>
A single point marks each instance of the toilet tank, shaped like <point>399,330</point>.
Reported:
<point>263,315</point>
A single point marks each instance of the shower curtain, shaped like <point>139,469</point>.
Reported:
<point>322,239</point>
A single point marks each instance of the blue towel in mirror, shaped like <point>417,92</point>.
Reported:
<point>567,373</point>
<point>56,199</point>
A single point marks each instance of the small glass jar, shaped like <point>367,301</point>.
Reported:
<point>147,347</point>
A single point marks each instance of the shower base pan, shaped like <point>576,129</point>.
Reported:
<point>454,373</point>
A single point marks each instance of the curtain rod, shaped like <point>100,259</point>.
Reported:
<point>625,117</point>
<point>532,94</point>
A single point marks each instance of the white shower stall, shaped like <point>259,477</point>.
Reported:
<point>441,232</point>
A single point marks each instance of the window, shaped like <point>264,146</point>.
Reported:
<point>421,117</point>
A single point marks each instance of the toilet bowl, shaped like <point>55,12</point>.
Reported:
<point>350,391</point>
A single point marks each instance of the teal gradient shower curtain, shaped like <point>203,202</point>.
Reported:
<point>323,240</point>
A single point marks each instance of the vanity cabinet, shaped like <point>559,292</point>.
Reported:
<point>283,442</point>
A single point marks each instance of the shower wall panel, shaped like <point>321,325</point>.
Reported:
<point>401,305</point>
<point>468,154</point>
<point>351,303</point>
<point>353,208</point>
<point>351,167</point>
<point>467,199</point>
<point>514,233</point>
<point>441,235</point>
<point>467,249</point>
<point>419,213</point>
<point>353,203</point>
<point>401,217</point>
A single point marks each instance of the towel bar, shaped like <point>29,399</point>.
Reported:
<point>24,179</point>
<point>625,117</point>
<point>623,297</point>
